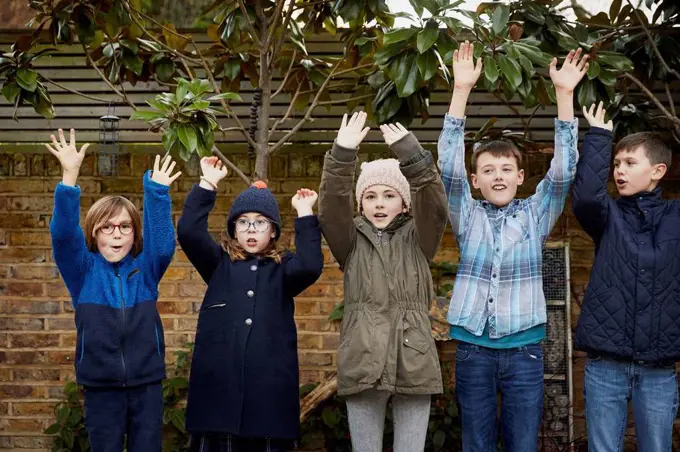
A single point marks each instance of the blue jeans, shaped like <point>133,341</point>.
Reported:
<point>481,373</point>
<point>608,387</point>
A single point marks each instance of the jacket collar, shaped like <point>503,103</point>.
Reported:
<point>647,198</point>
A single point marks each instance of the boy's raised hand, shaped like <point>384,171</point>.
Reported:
<point>163,174</point>
<point>69,157</point>
<point>303,201</point>
<point>571,73</point>
<point>465,71</point>
<point>393,132</point>
<point>352,131</point>
<point>596,119</point>
<point>213,171</point>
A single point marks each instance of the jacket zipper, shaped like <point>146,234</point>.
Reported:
<point>122,340</point>
<point>379,236</point>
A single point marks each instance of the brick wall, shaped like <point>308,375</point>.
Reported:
<point>37,333</point>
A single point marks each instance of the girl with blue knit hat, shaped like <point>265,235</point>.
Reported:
<point>244,384</point>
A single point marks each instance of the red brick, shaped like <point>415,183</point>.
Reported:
<point>21,324</point>
<point>21,185</point>
<point>316,359</point>
<point>174,307</point>
<point>4,408</point>
<point>175,273</point>
<point>33,307</point>
<point>34,409</point>
<point>21,289</point>
<point>19,255</point>
<point>166,290</point>
<point>61,324</point>
<point>34,340</point>
<point>187,325</point>
<point>21,425</point>
<point>31,203</point>
<point>60,357</point>
<point>306,341</point>
<point>30,239</point>
<point>68,339</point>
<point>121,186</point>
<point>35,375</point>
<point>331,342</point>
<point>15,391</point>
<point>32,357</point>
<point>33,442</point>
<point>192,290</point>
<point>57,289</point>
<point>303,307</point>
<point>34,272</point>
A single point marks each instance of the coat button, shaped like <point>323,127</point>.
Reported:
<point>250,294</point>
<point>253,268</point>
<point>642,271</point>
<point>249,322</point>
<point>406,340</point>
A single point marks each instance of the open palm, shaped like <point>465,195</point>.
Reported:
<point>69,157</point>
<point>572,71</point>
<point>163,174</point>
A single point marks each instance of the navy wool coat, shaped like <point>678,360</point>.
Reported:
<point>244,373</point>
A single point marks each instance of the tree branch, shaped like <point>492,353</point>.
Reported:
<point>670,99</point>
<point>343,101</point>
<point>277,16</point>
<point>288,112</point>
<point>106,80</point>
<point>66,88</point>
<point>363,66</point>
<point>674,119</point>
<point>244,11</point>
<point>533,113</point>
<point>310,110</point>
<point>285,77</point>
<point>286,21</point>
<point>218,91</point>
<point>653,44</point>
<point>230,164</point>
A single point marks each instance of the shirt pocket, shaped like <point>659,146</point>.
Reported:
<point>516,227</point>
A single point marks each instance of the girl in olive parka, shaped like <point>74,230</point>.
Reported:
<point>386,347</point>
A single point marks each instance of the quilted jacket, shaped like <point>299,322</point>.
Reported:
<point>631,309</point>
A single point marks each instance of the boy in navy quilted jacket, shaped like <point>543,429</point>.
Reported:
<point>112,276</point>
<point>630,315</point>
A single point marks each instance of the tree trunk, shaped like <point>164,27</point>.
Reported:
<point>318,396</point>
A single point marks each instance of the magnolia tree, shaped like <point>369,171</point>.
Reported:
<point>389,72</point>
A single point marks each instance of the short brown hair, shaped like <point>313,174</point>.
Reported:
<point>497,148</point>
<point>105,208</point>
<point>237,253</point>
<point>655,148</point>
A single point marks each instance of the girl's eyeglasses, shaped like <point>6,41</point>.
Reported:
<point>124,228</point>
<point>260,225</point>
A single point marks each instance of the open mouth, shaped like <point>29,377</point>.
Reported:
<point>499,187</point>
<point>251,242</point>
<point>116,248</point>
<point>380,216</point>
<point>621,182</point>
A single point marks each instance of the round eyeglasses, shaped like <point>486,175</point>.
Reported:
<point>260,225</point>
<point>124,228</point>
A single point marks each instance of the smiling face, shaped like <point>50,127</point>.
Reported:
<point>253,232</point>
<point>497,177</point>
<point>381,204</point>
<point>634,173</point>
<point>116,237</point>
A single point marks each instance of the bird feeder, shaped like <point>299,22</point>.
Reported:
<point>109,145</point>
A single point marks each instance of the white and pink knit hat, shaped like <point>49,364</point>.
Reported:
<point>383,172</point>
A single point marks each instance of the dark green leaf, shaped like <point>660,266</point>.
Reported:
<point>510,70</point>
<point>169,139</point>
<point>383,55</point>
<point>438,439</point>
<point>364,39</point>
<point>586,93</point>
<point>427,36</point>
<point>149,45</point>
<point>131,45</point>
<point>593,70</point>
<point>187,136</point>
<point>485,128</point>
<point>427,65</point>
<point>338,312</point>
<point>200,104</point>
<point>181,91</point>
<point>331,417</point>
<point>452,23</point>
<point>27,79</point>
<point>606,77</point>
<point>226,96</point>
<point>11,90</point>
<point>68,438</point>
<point>232,69</point>
<point>418,7</point>
<point>614,9</point>
<point>165,69</point>
<point>62,414</point>
<point>615,60</point>
<point>490,69</point>
<point>510,50</point>
<point>566,42</point>
<point>52,429</point>
<point>499,18</point>
<point>145,115</point>
<point>400,35</point>
<point>525,63</point>
<point>535,55</point>
<point>408,76</point>
<point>134,63</point>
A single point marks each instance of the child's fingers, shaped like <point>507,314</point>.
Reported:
<point>175,177</point>
<point>73,138</point>
<point>171,167</point>
<point>401,128</point>
<point>165,163</point>
<point>600,113</point>
<point>553,63</point>
<point>54,141</point>
<point>583,63</point>
<point>577,55</point>
<point>470,51</point>
<point>364,133</point>
<point>344,121</point>
<point>569,57</point>
<point>52,150</point>
<point>455,56</point>
<point>478,66</point>
<point>156,163</point>
<point>84,148</point>
<point>61,138</point>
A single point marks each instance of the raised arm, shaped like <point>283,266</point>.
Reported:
<point>159,230</point>
<point>336,208</point>
<point>451,144</point>
<point>192,228</point>
<point>304,267</point>
<point>68,241</point>
<point>590,199</point>
<point>429,206</point>
<point>551,192</point>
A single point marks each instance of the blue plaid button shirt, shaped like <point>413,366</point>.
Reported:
<point>499,276</point>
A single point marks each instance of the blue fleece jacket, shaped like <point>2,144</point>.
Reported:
<point>119,332</point>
